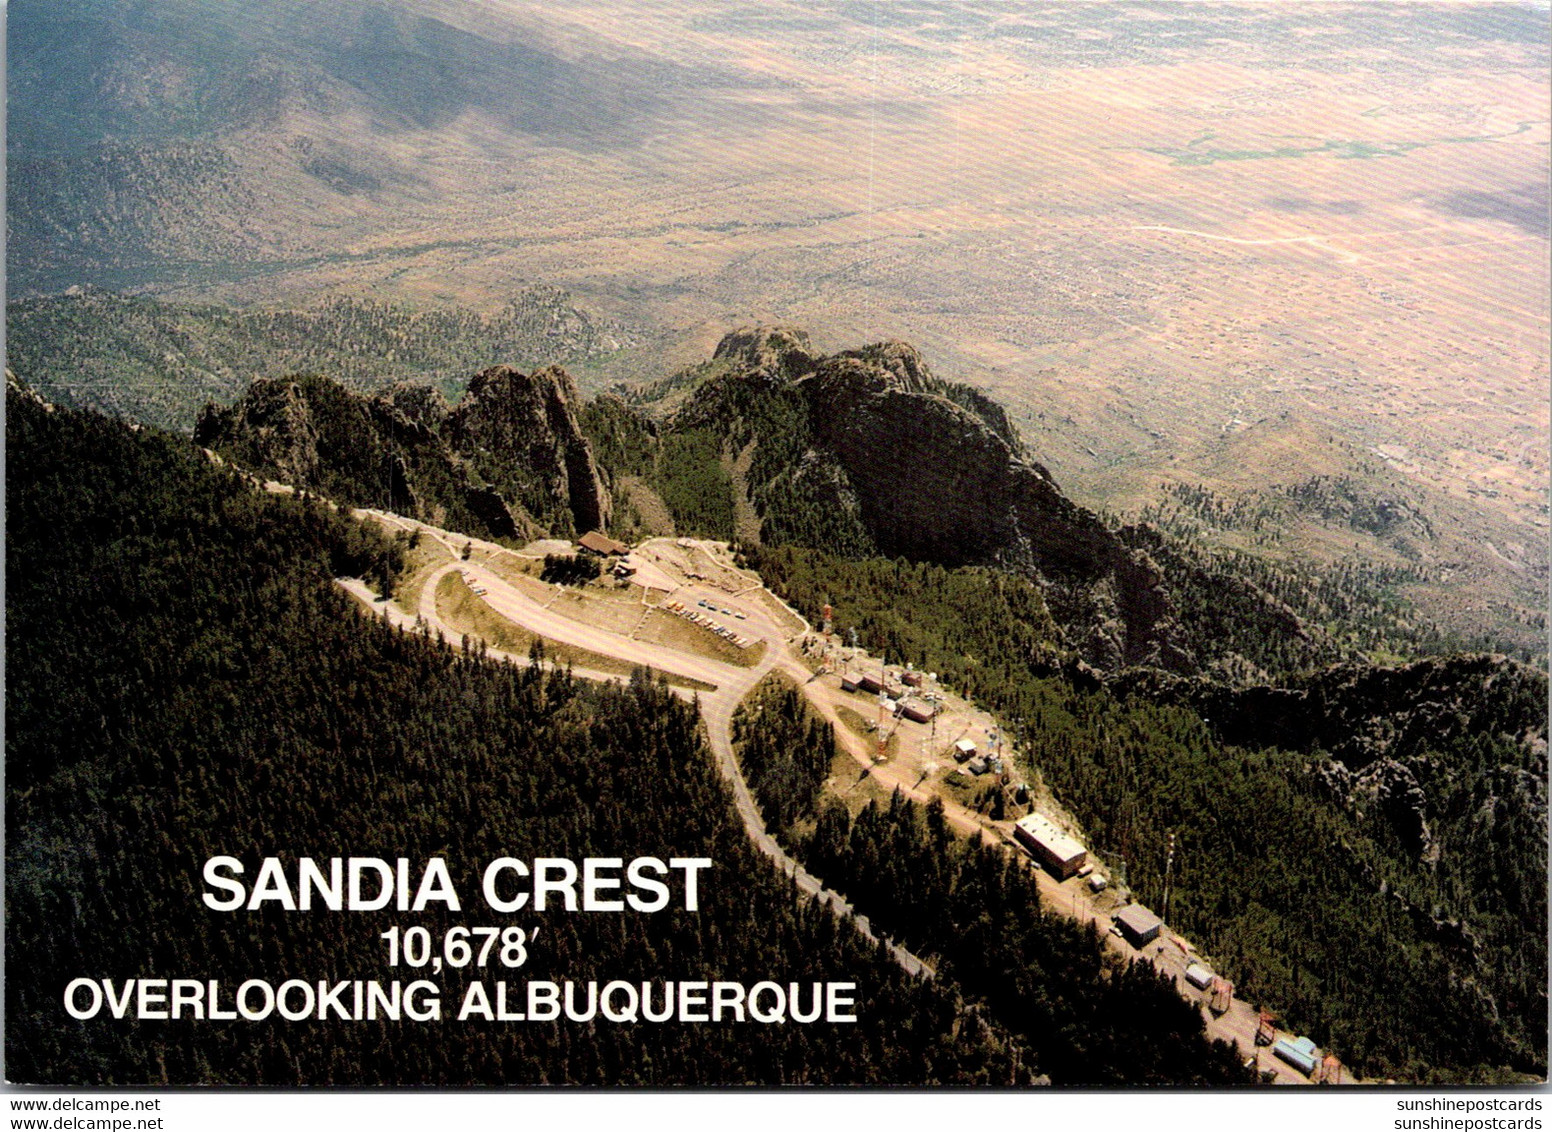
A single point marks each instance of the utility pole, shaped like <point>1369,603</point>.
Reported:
<point>883,743</point>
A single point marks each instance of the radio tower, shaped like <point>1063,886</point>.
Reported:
<point>1169,866</point>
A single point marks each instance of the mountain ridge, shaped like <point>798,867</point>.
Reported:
<point>863,452</point>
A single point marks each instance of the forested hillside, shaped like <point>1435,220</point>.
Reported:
<point>1359,814</point>
<point>160,362</point>
<point>838,454</point>
<point>184,680</point>
<point>1363,849</point>
<point>1089,1018</point>
<point>770,444</point>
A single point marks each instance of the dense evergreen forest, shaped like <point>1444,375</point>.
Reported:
<point>1089,1019</point>
<point>184,681</point>
<point>1392,904</point>
<point>1361,847</point>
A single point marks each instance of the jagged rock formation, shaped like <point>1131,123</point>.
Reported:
<point>868,448</point>
<point>772,353</point>
<point>423,404</point>
<point>934,480</point>
<point>865,452</point>
<point>509,462</point>
<point>272,426</point>
<point>521,433</point>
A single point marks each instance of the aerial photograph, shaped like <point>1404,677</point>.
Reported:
<point>906,543</point>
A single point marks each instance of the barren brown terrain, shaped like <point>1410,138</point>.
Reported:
<point>1146,228</point>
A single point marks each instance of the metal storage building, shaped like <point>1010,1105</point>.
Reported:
<point>1298,1052</point>
<point>1059,852</point>
<point>1139,924</point>
<point>1199,976</point>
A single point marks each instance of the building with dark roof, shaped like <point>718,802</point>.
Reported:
<point>1139,924</point>
<point>602,545</point>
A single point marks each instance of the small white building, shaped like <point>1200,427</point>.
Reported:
<point>1060,852</point>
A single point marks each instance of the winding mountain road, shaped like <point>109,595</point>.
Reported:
<point>738,594</point>
<point>732,684</point>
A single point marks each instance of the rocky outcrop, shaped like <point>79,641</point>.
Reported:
<point>869,452</point>
<point>521,432</point>
<point>935,481</point>
<point>906,363</point>
<point>1391,787</point>
<point>508,462</point>
<point>312,433</point>
<point>421,404</point>
<point>767,353</point>
<point>272,427</point>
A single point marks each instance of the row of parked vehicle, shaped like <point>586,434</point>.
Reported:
<point>704,621</point>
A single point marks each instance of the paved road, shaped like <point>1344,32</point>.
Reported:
<point>732,684</point>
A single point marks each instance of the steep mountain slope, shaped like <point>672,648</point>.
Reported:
<point>1164,690</point>
<point>862,453</point>
<point>509,462</point>
<point>868,452</point>
<point>185,680</point>
<point>520,433</point>
<point>1362,849</point>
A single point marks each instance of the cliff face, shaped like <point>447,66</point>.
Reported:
<point>521,433</point>
<point>935,481</point>
<point>934,472</point>
<point>509,462</point>
<point>271,427</point>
